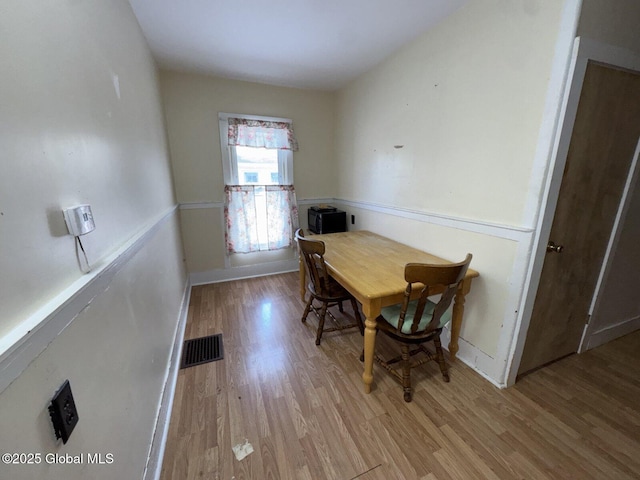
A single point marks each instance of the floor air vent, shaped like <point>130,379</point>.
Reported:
<point>202,350</point>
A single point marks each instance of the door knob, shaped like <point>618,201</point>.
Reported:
<point>552,247</point>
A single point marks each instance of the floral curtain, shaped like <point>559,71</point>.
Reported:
<point>258,133</point>
<point>259,217</point>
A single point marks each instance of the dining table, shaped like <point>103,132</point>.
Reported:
<point>371,267</point>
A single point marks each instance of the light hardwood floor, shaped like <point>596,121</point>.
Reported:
<point>303,409</point>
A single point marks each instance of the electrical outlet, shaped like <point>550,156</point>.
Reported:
<point>64,414</point>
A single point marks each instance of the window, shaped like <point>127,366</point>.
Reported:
<point>250,177</point>
<point>257,165</point>
<point>260,208</point>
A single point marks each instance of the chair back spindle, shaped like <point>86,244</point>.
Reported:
<point>431,278</point>
<point>419,318</point>
<point>323,288</point>
<point>313,254</point>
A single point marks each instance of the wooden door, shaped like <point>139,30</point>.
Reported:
<point>601,149</point>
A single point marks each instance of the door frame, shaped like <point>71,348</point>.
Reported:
<point>591,336</point>
<point>584,50</point>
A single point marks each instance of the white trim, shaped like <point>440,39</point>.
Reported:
<point>546,175</point>
<point>612,332</point>
<point>229,159</point>
<point>201,205</point>
<point>509,232</point>
<point>317,201</point>
<point>26,341</point>
<point>474,358</point>
<point>552,115</point>
<point>510,322</point>
<point>225,116</point>
<point>605,268</point>
<point>205,205</point>
<point>592,50</point>
<point>584,50</point>
<point>153,468</point>
<point>248,271</point>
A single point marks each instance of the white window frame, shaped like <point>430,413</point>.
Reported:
<point>229,159</point>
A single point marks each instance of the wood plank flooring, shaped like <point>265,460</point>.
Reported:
<point>303,409</point>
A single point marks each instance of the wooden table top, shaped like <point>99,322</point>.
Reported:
<point>371,266</point>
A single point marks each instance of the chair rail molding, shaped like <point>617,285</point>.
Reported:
<point>31,337</point>
<point>509,232</point>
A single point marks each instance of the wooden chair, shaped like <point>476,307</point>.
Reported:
<point>418,319</point>
<point>323,288</point>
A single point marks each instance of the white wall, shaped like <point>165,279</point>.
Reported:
<point>81,122</point>
<point>466,102</point>
<point>192,103</point>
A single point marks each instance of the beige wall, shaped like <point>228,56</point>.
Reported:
<point>465,101</point>
<point>82,123</point>
<point>192,103</point>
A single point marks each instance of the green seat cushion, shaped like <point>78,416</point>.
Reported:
<point>392,314</point>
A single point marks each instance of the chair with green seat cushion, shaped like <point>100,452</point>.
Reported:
<point>418,319</point>
<point>392,315</point>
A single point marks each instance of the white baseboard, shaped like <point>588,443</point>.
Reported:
<point>612,332</point>
<point>474,358</point>
<point>248,271</point>
<point>153,468</point>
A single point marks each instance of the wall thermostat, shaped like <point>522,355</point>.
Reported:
<point>79,220</point>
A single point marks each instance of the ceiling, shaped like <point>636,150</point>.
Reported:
<point>319,44</point>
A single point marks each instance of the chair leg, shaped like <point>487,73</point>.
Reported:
<point>323,312</point>
<point>440,357</point>
<point>307,309</point>
<point>356,313</point>
<point>406,373</point>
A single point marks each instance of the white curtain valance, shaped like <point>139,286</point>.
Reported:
<point>260,133</point>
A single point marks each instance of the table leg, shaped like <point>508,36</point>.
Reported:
<point>371,313</point>
<point>456,321</point>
